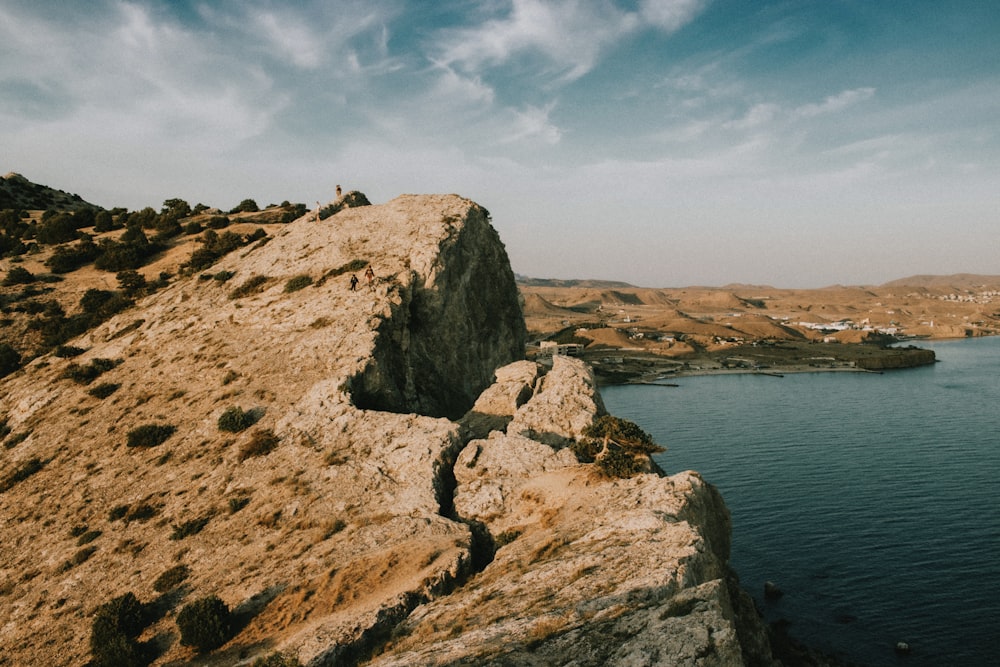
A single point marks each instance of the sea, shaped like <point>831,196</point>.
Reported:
<point>872,501</point>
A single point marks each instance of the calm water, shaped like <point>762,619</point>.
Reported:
<point>871,500</point>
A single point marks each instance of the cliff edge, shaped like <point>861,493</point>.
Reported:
<point>366,474</point>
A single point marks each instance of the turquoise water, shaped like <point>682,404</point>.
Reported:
<point>871,500</point>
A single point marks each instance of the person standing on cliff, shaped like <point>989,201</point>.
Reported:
<point>338,191</point>
<point>354,282</point>
<point>370,277</point>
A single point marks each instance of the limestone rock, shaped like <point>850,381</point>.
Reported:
<point>335,527</point>
<point>565,404</point>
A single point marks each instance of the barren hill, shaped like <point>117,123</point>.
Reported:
<point>353,473</point>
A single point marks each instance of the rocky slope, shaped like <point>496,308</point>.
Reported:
<point>327,462</point>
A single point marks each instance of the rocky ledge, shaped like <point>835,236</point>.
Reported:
<point>358,475</point>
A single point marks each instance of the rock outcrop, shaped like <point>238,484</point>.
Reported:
<point>358,474</point>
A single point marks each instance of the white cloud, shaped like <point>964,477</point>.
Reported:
<point>834,103</point>
<point>670,15</point>
<point>533,122</point>
<point>757,115</point>
<point>290,37</point>
<point>570,34</point>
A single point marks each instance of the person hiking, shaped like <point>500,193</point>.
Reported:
<point>354,282</point>
<point>370,277</point>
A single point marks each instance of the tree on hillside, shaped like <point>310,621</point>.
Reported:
<point>246,206</point>
<point>176,208</point>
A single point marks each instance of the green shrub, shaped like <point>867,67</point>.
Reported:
<point>236,503</point>
<point>190,527</point>
<point>89,373</point>
<point>21,473</point>
<point>253,285</point>
<point>149,435</point>
<point>352,266</point>
<point>205,624</point>
<point>246,206</point>
<point>192,228</point>
<point>68,351</point>
<point>171,578</point>
<point>10,359</point>
<point>277,659</point>
<point>261,443</point>
<point>297,283</point>
<point>257,235</point>
<point>114,630</point>
<point>619,447</point>
<point>235,419</point>
<point>88,537</point>
<point>620,463</point>
<point>104,390</point>
<point>131,282</point>
<point>223,276</point>
<point>217,222</point>
<point>586,450</point>
<point>624,433</point>
<point>18,275</point>
<point>139,512</point>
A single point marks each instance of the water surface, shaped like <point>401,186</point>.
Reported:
<point>870,499</point>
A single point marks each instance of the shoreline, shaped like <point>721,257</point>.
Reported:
<point>617,366</point>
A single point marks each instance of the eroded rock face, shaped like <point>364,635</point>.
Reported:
<point>329,532</point>
<point>589,571</point>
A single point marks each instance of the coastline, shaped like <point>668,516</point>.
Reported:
<point>617,366</point>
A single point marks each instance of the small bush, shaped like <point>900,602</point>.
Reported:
<point>246,206</point>
<point>261,443</point>
<point>237,503</point>
<point>90,372</point>
<point>114,630</point>
<point>217,222</point>
<point>21,473</point>
<point>253,285</point>
<point>352,266</point>
<point>171,579</point>
<point>10,359</point>
<point>235,419</point>
<point>586,450</point>
<point>149,435</point>
<point>80,557</point>
<point>205,624</point>
<point>67,351</point>
<point>191,527</point>
<point>297,283</point>
<point>140,512</point>
<point>620,463</point>
<point>104,390</point>
<point>223,276</point>
<point>88,537</point>
<point>623,432</point>
<point>18,275</point>
<point>277,660</point>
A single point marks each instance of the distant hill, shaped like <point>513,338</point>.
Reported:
<point>956,280</point>
<point>17,192</point>
<point>555,282</point>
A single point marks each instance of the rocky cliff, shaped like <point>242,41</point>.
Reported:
<point>362,474</point>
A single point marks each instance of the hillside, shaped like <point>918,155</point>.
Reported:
<point>350,475</point>
<point>17,192</point>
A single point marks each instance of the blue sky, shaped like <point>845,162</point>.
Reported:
<point>796,143</point>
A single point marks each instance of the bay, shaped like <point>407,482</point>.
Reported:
<point>869,499</point>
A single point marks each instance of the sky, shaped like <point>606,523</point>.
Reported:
<point>666,143</point>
